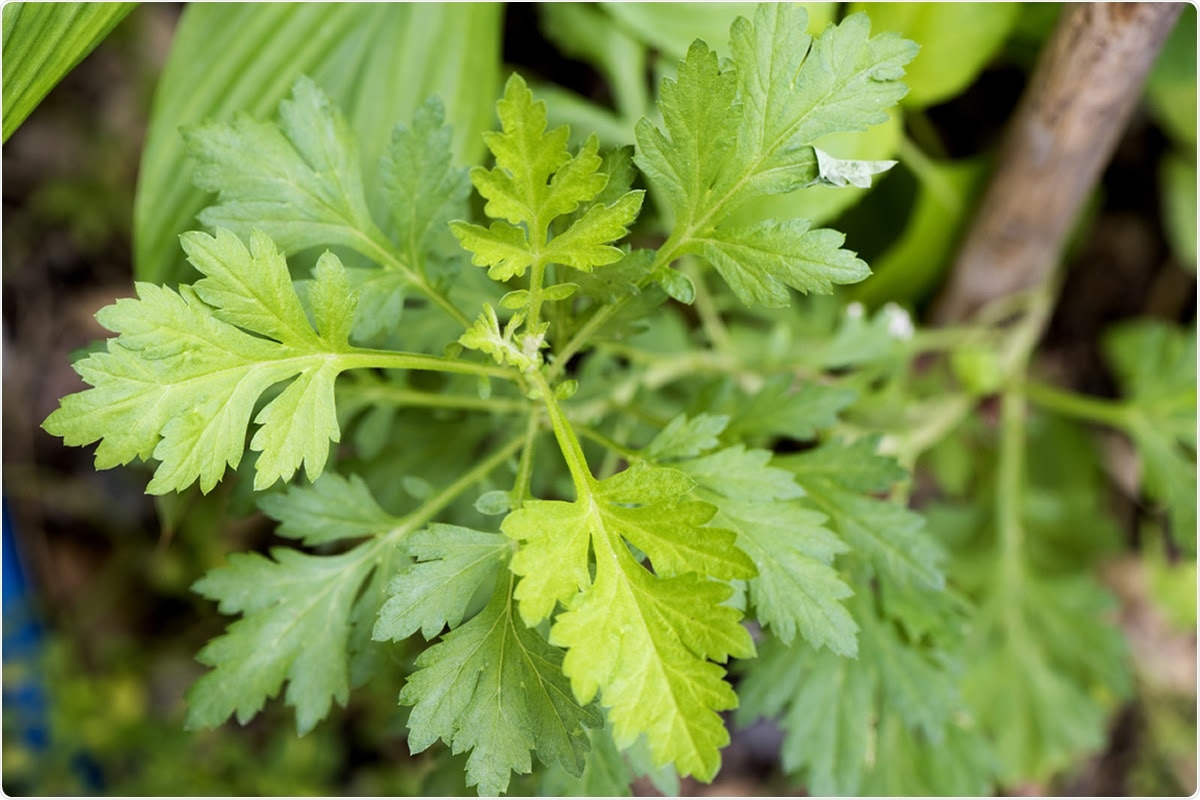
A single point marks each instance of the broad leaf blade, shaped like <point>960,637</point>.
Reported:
<point>42,43</point>
<point>378,62</point>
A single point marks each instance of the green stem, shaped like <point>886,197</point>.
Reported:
<point>710,318</point>
<point>1008,482</point>
<point>400,396</point>
<point>434,505</point>
<point>1089,409</point>
<point>666,254</point>
<point>606,442</point>
<point>363,358</point>
<point>376,247</point>
<point>568,442</point>
<point>521,486</point>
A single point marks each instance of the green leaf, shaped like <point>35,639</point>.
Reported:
<point>686,437</point>
<point>832,709</point>
<point>182,378</point>
<point>796,89</point>
<point>42,43</point>
<point>642,639</point>
<point>889,536</point>
<point>300,605</point>
<point>796,589</point>
<point>424,188</point>
<point>958,41</point>
<point>853,465</point>
<point>494,687</point>
<point>760,261</point>
<point>1046,671</point>
<point>605,773</point>
<point>1155,366</point>
<point>452,563</point>
<point>701,121</point>
<point>536,181</point>
<point>732,139</point>
<point>300,182</point>
<point>377,62</point>
<point>330,509</point>
<point>781,408</point>
<point>824,703</point>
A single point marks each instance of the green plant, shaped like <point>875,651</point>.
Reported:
<point>587,465</point>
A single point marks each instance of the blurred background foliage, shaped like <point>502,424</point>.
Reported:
<point>100,628</point>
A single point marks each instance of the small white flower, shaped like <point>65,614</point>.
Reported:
<point>855,310</point>
<point>899,323</point>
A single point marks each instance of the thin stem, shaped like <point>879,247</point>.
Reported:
<point>363,358</point>
<point>434,505</point>
<point>710,318</point>
<point>666,254</point>
<point>376,247</point>
<point>400,396</point>
<point>1084,407</point>
<point>604,441</point>
<point>572,452</point>
<point>521,486</point>
<point>1008,481</point>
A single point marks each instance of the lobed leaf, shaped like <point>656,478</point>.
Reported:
<point>181,380</point>
<point>494,687</point>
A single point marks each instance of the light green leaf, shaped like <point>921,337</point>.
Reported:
<point>1171,86</point>
<point>913,265</point>
<point>298,603</point>
<point>452,563</point>
<point>42,43</point>
<point>378,62</point>
<point>499,708</point>
<point>536,181</point>
<point>642,639</point>
<point>1177,178</point>
<point>504,249</point>
<point>701,121</point>
<point>671,27</point>
<point>584,245</point>
<point>182,378</point>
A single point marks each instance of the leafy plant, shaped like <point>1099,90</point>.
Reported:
<point>602,479</point>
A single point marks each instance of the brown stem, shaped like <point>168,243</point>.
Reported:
<point>1085,86</point>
